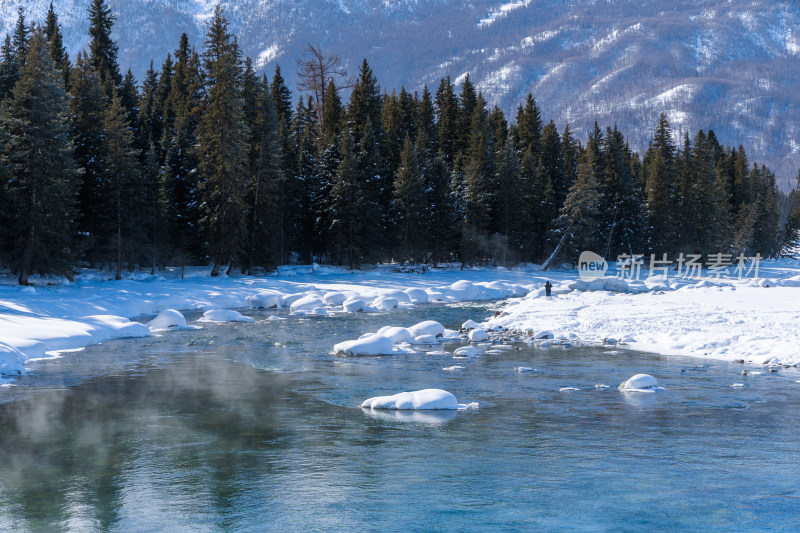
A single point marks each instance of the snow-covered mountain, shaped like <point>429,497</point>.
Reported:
<point>729,65</point>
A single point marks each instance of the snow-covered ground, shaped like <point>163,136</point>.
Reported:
<point>756,321</point>
<point>753,321</point>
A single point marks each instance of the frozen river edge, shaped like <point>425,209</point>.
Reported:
<point>755,321</point>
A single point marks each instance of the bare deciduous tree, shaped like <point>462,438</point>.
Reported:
<point>315,70</point>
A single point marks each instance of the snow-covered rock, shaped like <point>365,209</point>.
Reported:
<point>417,296</point>
<point>266,299</point>
<point>169,318</point>
<point>372,345</point>
<point>397,335</point>
<point>307,303</point>
<point>640,383</point>
<point>428,327</point>
<point>334,298</point>
<point>386,303</point>
<point>289,299</point>
<point>426,339</point>
<point>470,324</point>
<point>354,305</point>
<point>419,400</point>
<point>544,335</point>
<point>224,315</point>
<point>401,296</point>
<point>478,335</point>
<point>465,351</point>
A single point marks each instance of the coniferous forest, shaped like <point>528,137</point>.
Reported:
<point>205,161</point>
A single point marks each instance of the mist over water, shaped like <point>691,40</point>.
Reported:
<point>254,427</point>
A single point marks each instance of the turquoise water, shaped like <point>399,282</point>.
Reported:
<point>255,427</point>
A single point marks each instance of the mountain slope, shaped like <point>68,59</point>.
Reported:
<point>728,65</point>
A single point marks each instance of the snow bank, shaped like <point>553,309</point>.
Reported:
<point>12,361</point>
<point>224,315</point>
<point>416,400</point>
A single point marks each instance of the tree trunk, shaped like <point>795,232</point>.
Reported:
<point>217,261</point>
<point>554,256</point>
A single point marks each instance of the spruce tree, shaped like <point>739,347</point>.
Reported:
<point>103,49</point>
<point>39,166</point>
<point>410,201</point>
<point>57,49</point>
<point>87,107</point>
<point>659,167</point>
<point>121,172</point>
<point>222,153</point>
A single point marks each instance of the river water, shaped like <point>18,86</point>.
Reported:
<point>256,427</point>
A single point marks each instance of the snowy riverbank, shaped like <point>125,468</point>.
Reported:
<point>726,319</point>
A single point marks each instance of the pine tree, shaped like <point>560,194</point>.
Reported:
<point>281,96</point>
<point>659,166</point>
<point>121,171</point>
<point>103,49</point>
<point>447,123</point>
<point>87,107</point>
<point>509,199</point>
<point>577,219</point>
<point>57,50</point>
<point>20,38</point>
<point>410,201</point>
<point>222,134</point>
<point>9,69</point>
<point>38,161</point>
<point>267,179</point>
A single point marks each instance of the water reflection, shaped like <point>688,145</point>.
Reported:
<point>434,418</point>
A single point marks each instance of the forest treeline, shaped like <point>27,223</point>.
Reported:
<point>206,161</point>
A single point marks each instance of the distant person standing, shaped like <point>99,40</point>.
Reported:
<point>547,288</point>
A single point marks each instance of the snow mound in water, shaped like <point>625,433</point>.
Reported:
<point>334,298</point>
<point>465,351</point>
<point>428,327</point>
<point>386,303</point>
<point>426,339</point>
<point>415,400</point>
<point>169,318</point>
<point>470,324</point>
<point>400,295</point>
<point>224,315</point>
<point>307,303</point>
<point>417,296</point>
<point>640,383</point>
<point>478,335</point>
<point>372,345</point>
<point>397,335</point>
<point>354,305</point>
<point>266,299</point>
